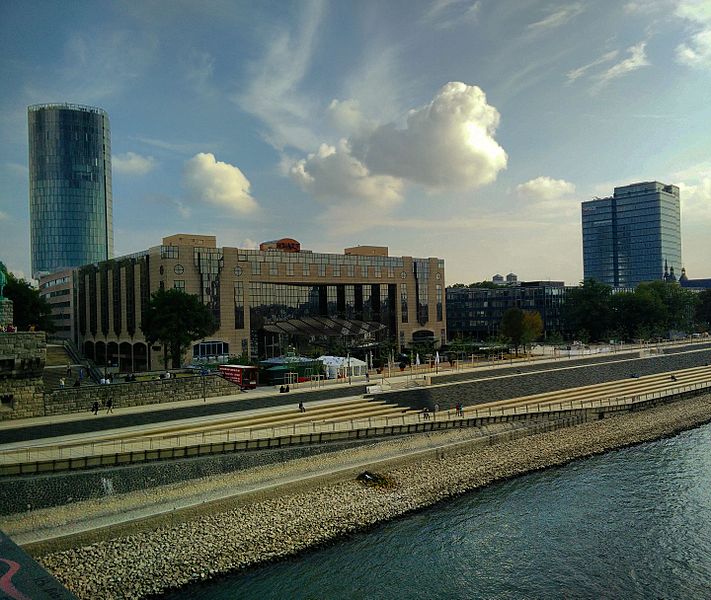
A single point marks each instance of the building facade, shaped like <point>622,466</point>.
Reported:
<point>475,313</point>
<point>629,237</point>
<point>58,290</point>
<point>264,300</point>
<point>70,186</point>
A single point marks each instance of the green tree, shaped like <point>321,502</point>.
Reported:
<point>587,311</point>
<point>532,327</point>
<point>176,319</point>
<point>29,307</point>
<point>512,327</point>
<point>638,314</point>
<point>703,310</point>
<point>679,304</point>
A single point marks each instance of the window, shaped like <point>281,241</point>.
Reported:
<point>179,284</point>
<point>169,252</point>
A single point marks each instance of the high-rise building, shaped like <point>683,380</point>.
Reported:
<point>70,186</point>
<point>632,236</point>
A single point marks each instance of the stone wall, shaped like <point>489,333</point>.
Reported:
<point>6,312</point>
<point>138,393</point>
<point>503,385</point>
<point>22,358</point>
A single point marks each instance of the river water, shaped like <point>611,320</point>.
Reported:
<point>634,523</point>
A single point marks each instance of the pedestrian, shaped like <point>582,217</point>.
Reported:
<point>95,407</point>
<point>81,374</point>
<point>436,408</point>
<point>282,389</point>
<point>302,408</point>
<point>109,406</point>
<point>69,370</point>
<point>286,389</point>
<point>367,377</point>
<point>61,383</point>
<point>77,383</point>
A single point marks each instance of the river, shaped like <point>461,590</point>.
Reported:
<point>633,523</point>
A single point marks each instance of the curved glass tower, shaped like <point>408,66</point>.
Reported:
<point>70,186</point>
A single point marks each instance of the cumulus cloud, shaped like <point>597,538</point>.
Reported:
<point>346,116</point>
<point>696,199</point>
<point>636,60</point>
<point>545,188</point>
<point>333,173</point>
<point>219,183</point>
<point>446,144</point>
<point>130,163</point>
<point>697,52</point>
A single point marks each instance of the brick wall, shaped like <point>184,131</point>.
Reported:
<point>22,358</point>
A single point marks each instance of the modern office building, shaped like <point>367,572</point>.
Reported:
<point>629,237</point>
<point>266,301</point>
<point>57,289</point>
<point>475,313</point>
<point>70,186</point>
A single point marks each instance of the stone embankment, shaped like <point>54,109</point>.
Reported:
<point>147,563</point>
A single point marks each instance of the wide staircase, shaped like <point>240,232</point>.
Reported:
<point>55,367</point>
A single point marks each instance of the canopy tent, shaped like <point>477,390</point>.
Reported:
<point>336,366</point>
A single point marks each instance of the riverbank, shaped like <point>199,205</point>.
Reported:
<point>147,563</point>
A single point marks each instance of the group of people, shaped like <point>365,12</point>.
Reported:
<point>109,406</point>
<point>284,389</point>
<point>9,328</point>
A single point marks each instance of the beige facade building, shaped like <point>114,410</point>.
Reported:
<point>264,300</point>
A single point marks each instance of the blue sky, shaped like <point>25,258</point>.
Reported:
<point>468,130</point>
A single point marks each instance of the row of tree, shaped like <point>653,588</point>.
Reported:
<point>592,312</point>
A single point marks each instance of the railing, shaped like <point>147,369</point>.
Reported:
<point>264,436</point>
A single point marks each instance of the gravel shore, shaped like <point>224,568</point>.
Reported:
<point>150,562</point>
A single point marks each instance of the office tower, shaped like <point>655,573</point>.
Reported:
<point>632,236</point>
<point>70,186</point>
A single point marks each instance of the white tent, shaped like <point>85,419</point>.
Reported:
<point>336,366</point>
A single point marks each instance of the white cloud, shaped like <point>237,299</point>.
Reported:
<point>636,60</point>
<point>557,18</point>
<point>249,244</point>
<point>273,93</point>
<point>545,188</point>
<point>575,74</point>
<point>199,69</point>
<point>333,173</point>
<point>697,52</point>
<point>346,116</point>
<point>549,199</point>
<point>219,183</point>
<point>446,14</point>
<point>446,144</point>
<point>4,216</point>
<point>131,163</point>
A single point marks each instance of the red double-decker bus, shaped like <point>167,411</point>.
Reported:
<point>244,376</point>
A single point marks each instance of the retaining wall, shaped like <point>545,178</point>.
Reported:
<point>504,386</point>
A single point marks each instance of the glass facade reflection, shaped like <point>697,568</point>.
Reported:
<point>629,237</point>
<point>70,186</point>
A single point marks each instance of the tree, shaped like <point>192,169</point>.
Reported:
<point>512,326</point>
<point>587,311</point>
<point>532,327</point>
<point>703,310</point>
<point>176,319</point>
<point>29,307</point>
<point>679,304</point>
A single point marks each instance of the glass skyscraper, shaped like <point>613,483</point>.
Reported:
<point>70,186</point>
<point>632,236</point>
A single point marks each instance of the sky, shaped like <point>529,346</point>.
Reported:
<point>467,130</point>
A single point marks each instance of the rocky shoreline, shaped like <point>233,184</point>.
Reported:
<point>151,562</point>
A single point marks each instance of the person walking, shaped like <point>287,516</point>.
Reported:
<point>69,371</point>
<point>302,408</point>
<point>109,406</point>
<point>95,407</point>
<point>61,383</point>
